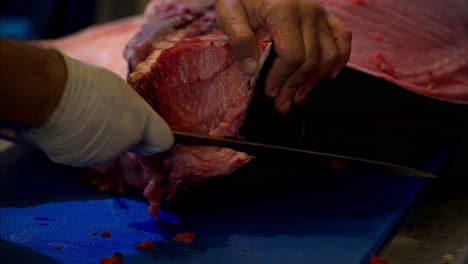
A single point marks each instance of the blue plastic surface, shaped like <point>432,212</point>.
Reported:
<point>326,218</point>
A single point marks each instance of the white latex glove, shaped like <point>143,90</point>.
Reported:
<point>98,118</point>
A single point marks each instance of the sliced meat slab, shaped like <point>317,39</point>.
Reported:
<point>199,87</point>
<point>420,45</point>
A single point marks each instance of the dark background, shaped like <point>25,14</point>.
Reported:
<point>49,19</point>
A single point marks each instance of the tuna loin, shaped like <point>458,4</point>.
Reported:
<point>420,45</point>
<point>196,86</point>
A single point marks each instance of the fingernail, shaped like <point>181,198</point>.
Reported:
<point>271,92</point>
<point>249,66</point>
<point>299,98</point>
<point>274,92</point>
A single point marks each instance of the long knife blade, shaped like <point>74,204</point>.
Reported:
<point>301,156</point>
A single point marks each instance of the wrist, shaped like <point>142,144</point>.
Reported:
<point>32,83</point>
<point>60,127</point>
<point>57,75</point>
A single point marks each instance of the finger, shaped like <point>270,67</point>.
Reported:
<point>290,50</point>
<point>309,67</point>
<point>343,37</point>
<point>305,89</point>
<point>328,58</point>
<point>157,136</point>
<point>234,21</point>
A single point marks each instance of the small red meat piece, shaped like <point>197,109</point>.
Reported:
<point>186,237</point>
<point>106,234</point>
<point>376,260</point>
<point>115,259</point>
<point>145,245</point>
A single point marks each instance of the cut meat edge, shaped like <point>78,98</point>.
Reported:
<point>452,95</point>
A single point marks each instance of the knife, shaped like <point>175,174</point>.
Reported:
<point>300,157</point>
<point>296,157</point>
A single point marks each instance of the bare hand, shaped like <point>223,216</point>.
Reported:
<point>310,43</point>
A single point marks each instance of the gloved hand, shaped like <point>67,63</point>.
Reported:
<point>99,117</point>
<point>310,43</point>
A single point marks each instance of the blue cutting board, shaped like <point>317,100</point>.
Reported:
<point>321,216</point>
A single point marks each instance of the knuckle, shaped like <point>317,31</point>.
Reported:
<point>295,59</point>
<point>268,8</point>
<point>281,4</point>
<point>331,58</point>
<point>313,8</point>
<point>310,66</point>
<point>239,39</point>
<point>296,80</point>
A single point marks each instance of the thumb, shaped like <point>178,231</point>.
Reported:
<point>234,21</point>
<point>157,136</point>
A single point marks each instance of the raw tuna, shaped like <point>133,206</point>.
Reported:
<point>420,45</point>
<point>196,86</point>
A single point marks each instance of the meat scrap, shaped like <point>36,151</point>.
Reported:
<point>116,258</point>
<point>105,234</point>
<point>145,245</point>
<point>186,237</point>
